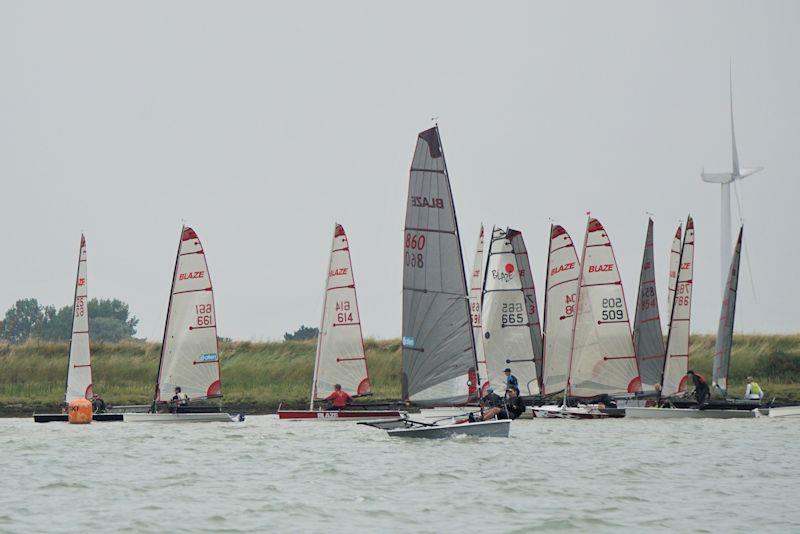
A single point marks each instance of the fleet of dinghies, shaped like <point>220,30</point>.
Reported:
<point>457,340</point>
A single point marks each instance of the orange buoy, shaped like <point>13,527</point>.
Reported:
<point>79,412</point>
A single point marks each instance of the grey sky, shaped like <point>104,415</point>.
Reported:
<point>263,123</point>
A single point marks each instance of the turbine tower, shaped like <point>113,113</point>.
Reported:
<point>725,179</point>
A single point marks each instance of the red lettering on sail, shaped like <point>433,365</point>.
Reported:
<point>686,265</point>
<point>192,275</point>
<point>562,268</point>
<point>601,268</point>
<point>341,271</point>
<point>81,281</point>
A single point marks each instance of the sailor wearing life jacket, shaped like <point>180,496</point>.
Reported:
<point>753,390</point>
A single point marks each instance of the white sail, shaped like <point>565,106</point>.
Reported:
<point>722,348</point>
<point>561,291</point>
<point>340,346</point>
<point>677,356</point>
<point>79,373</point>
<point>529,290</point>
<point>475,295</point>
<point>602,360</point>
<point>506,330</point>
<point>189,353</point>
<point>674,263</point>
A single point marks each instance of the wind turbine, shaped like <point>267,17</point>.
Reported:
<point>725,179</point>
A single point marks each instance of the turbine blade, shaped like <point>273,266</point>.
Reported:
<point>717,177</point>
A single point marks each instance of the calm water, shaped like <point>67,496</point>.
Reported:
<point>734,476</point>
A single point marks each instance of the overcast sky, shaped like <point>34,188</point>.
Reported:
<point>261,124</point>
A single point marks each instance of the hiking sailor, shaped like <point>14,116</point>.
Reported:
<point>511,380</point>
<point>753,391</point>
<point>98,404</point>
<point>339,399</point>
<point>180,398</point>
<point>701,390</point>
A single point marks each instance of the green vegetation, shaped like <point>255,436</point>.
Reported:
<point>259,376</point>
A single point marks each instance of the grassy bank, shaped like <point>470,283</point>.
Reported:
<point>259,376</point>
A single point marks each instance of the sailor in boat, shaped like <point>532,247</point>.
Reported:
<point>753,391</point>
<point>701,391</point>
<point>511,380</point>
<point>180,398</point>
<point>98,404</point>
<point>339,399</point>
<point>493,406</point>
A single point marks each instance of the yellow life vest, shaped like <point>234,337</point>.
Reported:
<point>755,389</point>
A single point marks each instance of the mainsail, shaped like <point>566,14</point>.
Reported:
<point>560,293</point>
<point>648,341</point>
<point>439,363</point>
<point>601,360</point>
<point>722,349</point>
<point>674,263</point>
<point>475,295</point>
<point>340,346</point>
<point>79,372</point>
<point>529,290</point>
<point>677,355</point>
<point>507,340</point>
<point>189,353</point>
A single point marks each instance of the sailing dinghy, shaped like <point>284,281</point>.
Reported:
<point>79,367</point>
<point>601,361</point>
<point>341,358</point>
<point>439,359</point>
<point>189,352</point>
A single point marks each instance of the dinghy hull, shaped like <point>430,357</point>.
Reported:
<point>63,418</point>
<point>559,412</point>
<point>484,429</point>
<point>693,413</point>
<point>336,415</point>
<point>212,417</point>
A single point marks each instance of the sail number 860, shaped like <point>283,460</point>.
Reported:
<point>415,244</point>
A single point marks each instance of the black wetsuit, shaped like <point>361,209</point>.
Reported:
<point>513,408</point>
<point>701,391</point>
<point>98,406</point>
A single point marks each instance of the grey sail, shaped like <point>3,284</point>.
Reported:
<point>438,348</point>
<point>648,341</point>
<point>722,349</point>
<point>529,290</point>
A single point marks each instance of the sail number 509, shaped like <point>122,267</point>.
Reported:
<point>612,309</point>
<point>415,244</point>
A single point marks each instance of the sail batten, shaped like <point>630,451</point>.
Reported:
<point>505,306</point>
<point>648,341</point>
<point>439,360</point>
<point>722,347</point>
<point>602,359</point>
<point>561,290</point>
<point>676,361</point>
<point>79,371</point>
<point>189,352</point>
<point>340,346</point>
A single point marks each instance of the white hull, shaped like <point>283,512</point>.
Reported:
<point>215,417</point>
<point>560,412</point>
<point>694,413</point>
<point>429,415</point>
<point>785,411</point>
<point>484,429</point>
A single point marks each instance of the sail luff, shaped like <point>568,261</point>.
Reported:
<point>724,342</point>
<point>79,365</point>
<point>674,265</point>
<point>475,304</point>
<point>321,324</point>
<point>439,361</point>
<point>561,286</point>
<point>531,305</point>
<point>648,341</point>
<point>341,358</point>
<point>676,358</point>
<point>568,389</point>
<point>156,395</point>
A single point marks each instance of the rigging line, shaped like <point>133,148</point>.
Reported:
<point>744,244</point>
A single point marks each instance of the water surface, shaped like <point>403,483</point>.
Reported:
<point>263,474</point>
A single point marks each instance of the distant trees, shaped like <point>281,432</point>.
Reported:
<point>304,332</point>
<point>109,320</point>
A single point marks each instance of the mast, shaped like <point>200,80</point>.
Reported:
<point>724,343</point>
<point>676,359</point>
<point>156,395</point>
<point>568,388</point>
<point>79,366</point>
<point>648,341</point>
